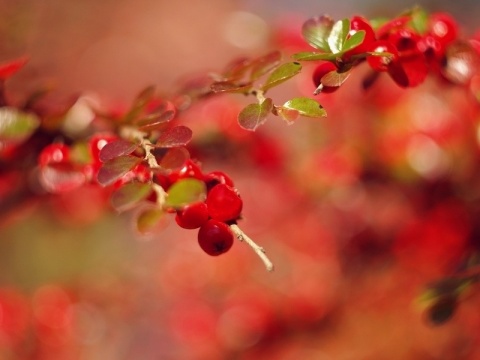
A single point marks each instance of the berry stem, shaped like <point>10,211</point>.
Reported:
<point>260,251</point>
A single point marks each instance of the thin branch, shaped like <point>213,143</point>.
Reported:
<point>260,251</point>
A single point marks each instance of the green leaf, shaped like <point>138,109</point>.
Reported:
<point>230,87</point>
<point>289,115</point>
<point>129,195</point>
<point>116,148</point>
<point>236,69</point>
<point>115,168</point>
<point>334,78</point>
<point>149,219</point>
<point>338,35</point>
<point>419,20</point>
<point>306,107</point>
<point>15,125</point>
<point>354,40</point>
<point>281,74</point>
<point>316,31</point>
<point>175,136</point>
<point>265,64</point>
<point>313,56</point>
<point>254,115</point>
<point>184,192</point>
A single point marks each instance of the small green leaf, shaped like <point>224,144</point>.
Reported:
<point>148,220</point>
<point>338,35</point>
<point>175,136</point>
<point>306,107</point>
<point>230,87</point>
<point>184,192</point>
<point>313,56</point>
<point>419,21</point>
<point>254,115</point>
<point>116,148</point>
<point>129,195</point>
<point>281,74</point>
<point>265,64</point>
<point>334,78</point>
<point>15,125</point>
<point>115,168</point>
<point>354,40</point>
<point>316,31</point>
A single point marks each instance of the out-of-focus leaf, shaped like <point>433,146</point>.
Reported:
<point>306,107</point>
<point>313,56</point>
<point>127,196</point>
<point>175,136</point>
<point>7,69</point>
<point>60,178</point>
<point>289,115</point>
<point>80,153</point>
<point>115,149</point>
<point>334,78</point>
<point>419,21</point>
<point>281,74</point>
<point>230,87</point>
<point>354,40</point>
<point>172,158</point>
<point>236,69</point>
<point>265,64</point>
<point>114,169</point>
<point>442,309</point>
<point>254,115</point>
<point>155,121</point>
<point>338,35</point>
<point>316,31</point>
<point>462,64</point>
<point>184,192</point>
<point>148,220</point>
<point>139,104</point>
<point>15,125</point>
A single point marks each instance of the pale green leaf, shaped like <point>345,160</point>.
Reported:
<point>338,35</point>
<point>306,107</point>
<point>316,31</point>
<point>184,192</point>
<point>281,74</point>
<point>129,195</point>
<point>254,115</point>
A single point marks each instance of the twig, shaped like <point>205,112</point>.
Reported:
<point>260,251</point>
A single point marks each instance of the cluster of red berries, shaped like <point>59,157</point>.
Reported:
<point>410,53</point>
<point>221,208</point>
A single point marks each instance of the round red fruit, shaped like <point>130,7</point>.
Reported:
<point>217,177</point>
<point>215,237</point>
<point>54,154</point>
<point>189,170</point>
<point>358,23</point>
<point>97,142</point>
<point>443,27</point>
<point>382,63</point>
<point>192,216</point>
<point>320,71</point>
<point>224,203</point>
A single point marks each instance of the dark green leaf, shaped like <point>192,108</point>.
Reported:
<point>184,192</point>
<point>254,115</point>
<point>354,40</point>
<point>265,64</point>
<point>175,136</point>
<point>316,31</point>
<point>115,168</point>
<point>281,74</point>
<point>155,121</point>
<point>306,107</point>
<point>16,126</point>
<point>129,195</point>
<point>230,87</point>
<point>313,56</point>
<point>338,35</point>
<point>116,148</point>
<point>149,219</point>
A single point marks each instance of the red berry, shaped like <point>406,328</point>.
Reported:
<point>321,70</point>
<point>192,216</point>
<point>382,63</point>
<point>224,203</point>
<point>443,27</point>
<point>97,142</point>
<point>215,237</point>
<point>54,154</point>
<point>217,177</point>
<point>404,40</point>
<point>189,170</point>
<point>358,23</point>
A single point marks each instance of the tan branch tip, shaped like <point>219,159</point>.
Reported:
<point>260,251</point>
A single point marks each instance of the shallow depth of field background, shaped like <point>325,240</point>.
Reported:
<point>358,211</point>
